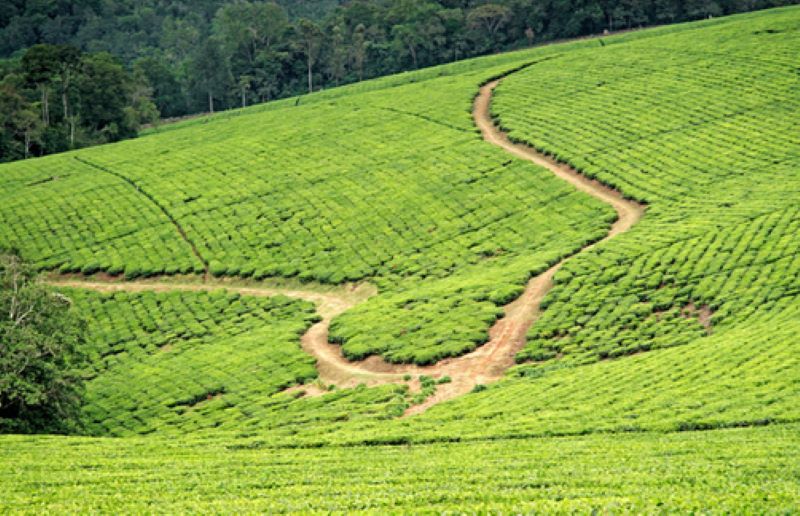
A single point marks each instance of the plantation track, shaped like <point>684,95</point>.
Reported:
<point>486,364</point>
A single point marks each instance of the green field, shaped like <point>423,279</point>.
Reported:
<point>662,375</point>
<point>750,470</point>
<point>702,127</point>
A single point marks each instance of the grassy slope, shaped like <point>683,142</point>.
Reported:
<point>702,126</point>
<point>398,189</point>
<point>185,361</point>
<point>744,374</point>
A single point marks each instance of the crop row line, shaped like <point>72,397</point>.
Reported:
<point>154,201</point>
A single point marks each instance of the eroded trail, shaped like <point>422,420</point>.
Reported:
<point>487,363</point>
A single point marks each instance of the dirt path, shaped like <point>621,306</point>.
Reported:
<point>486,364</point>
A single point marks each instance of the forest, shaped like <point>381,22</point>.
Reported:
<point>114,65</point>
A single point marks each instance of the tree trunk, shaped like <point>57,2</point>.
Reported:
<point>413,55</point>
<point>64,96</point>
<point>45,107</point>
<point>27,143</point>
<point>310,77</point>
<point>244,98</point>
<point>72,132</point>
<point>210,102</point>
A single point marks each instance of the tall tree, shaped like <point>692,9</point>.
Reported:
<point>666,11</point>
<point>453,22</point>
<point>20,126</point>
<point>69,64</point>
<point>41,64</point>
<point>702,8</point>
<point>416,30</point>
<point>268,70</point>
<point>408,38</point>
<point>487,20</point>
<point>309,41</point>
<point>337,60</point>
<point>250,34</point>
<point>245,28</point>
<point>141,109</point>
<point>629,13</point>
<point>358,49</point>
<point>210,71</point>
<point>167,94</point>
<point>105,88</point>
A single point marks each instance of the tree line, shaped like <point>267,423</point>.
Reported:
<point>179,57</point>
<point>56,98</point>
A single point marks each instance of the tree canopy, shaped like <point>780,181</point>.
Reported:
<point>57,98</point>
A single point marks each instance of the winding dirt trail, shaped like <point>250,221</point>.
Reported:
<point>489,362</point>
<point>484,365</point>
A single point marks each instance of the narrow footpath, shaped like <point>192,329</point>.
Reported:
<point>486,364</point>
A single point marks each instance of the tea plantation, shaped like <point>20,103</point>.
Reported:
<point>413,201</point>
<point>704,128</point>
<point>662,373</point>
<point>740,470</point>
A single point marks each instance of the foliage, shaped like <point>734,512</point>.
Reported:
<point>666,338</point>
<point>41,353</point>
<point>445,258</point>
<point>750,470</point>
<point>219,54</point>
<point>426,217</point>
<point>699,126</point>
<point>54,98</point>
<point>188,361</point>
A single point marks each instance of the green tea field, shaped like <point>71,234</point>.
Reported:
<point>560,279</point>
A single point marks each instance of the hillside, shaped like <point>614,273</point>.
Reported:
<point>371,299</point>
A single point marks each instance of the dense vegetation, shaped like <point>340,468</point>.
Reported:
<point>425,213</point>
<point>41,353</point>
<point>456,244</point>
<point>704,129</point>
<point>157,375</point>
<point>55,98</point>
<point>183,355</point>
<point>650,351</point>
<point>201,56</point>
<point>752,470</point>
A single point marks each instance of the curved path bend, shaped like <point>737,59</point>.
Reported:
<point>484,365</point>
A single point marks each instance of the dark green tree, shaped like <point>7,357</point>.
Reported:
<point>337,60</point>
<point>702,8</point>
<point>251,35</point>
<point>20,125</point>
<point>210,71</point>
<point>41,64</point>
<point>41,338</point>
<point>358,50</point>
<point>104,88</point>
<point>167,93</point>
<point>486,21</point>
<point>308,39</point>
